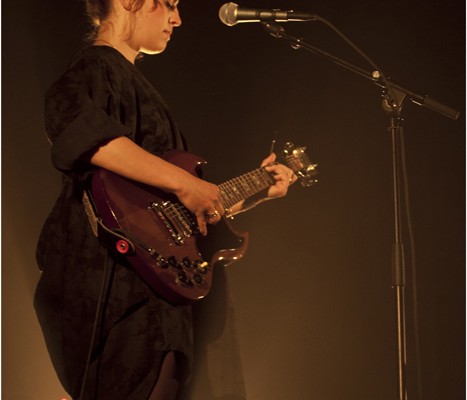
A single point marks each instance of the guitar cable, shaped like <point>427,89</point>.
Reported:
<point>413,261</point>
<point>97,316</point>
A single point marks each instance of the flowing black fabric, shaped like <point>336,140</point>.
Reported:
<point>100,97</point>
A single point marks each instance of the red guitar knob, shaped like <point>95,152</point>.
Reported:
<point>122,246</point>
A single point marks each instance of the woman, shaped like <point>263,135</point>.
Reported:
<point>109,335</point>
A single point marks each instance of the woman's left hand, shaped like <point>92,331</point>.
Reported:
<point>283,175</point>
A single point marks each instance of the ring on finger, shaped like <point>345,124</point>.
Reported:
<point>212,215</point>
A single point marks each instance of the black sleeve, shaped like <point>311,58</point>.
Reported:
<point>83,112</point>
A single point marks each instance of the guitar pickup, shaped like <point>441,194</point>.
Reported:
<point>176,218</point>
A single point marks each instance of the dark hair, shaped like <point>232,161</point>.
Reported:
<point>98,10</point>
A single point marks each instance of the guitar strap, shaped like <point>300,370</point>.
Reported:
<point>90,212</point>
<point>108,237</point>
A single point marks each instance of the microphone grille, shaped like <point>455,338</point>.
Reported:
<point>228,13</point>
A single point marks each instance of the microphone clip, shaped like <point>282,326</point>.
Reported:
<point>274,29</point>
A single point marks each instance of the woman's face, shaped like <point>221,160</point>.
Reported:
<point>154,25</point>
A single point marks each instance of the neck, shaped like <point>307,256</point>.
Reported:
<point>107,36</point>
<point>103,42</point>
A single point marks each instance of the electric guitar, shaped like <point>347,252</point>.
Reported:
<point>159,236</point>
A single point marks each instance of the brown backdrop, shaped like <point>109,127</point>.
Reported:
<point>309,313</point>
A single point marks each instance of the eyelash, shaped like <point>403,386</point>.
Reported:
<point>171,7</point>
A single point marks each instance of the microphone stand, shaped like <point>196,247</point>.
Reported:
<point>376,76</point>
<point>393,99</point>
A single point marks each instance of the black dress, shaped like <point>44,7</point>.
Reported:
<point>100,97</point>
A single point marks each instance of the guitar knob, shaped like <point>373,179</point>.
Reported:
<point>198,279</point>
<point>187,262</point>
<point>182,279</point>
<point>172,262</point>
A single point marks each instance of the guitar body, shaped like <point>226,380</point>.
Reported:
<point>159,236</point>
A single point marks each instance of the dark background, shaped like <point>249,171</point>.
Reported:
<point>309,313</point>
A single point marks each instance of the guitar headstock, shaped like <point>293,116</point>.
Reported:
<point>297,160</point>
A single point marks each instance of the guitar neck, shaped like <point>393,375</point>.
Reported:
<point>245,186</point>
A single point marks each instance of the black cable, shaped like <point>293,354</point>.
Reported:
<point>406,200</point>
<point>365,57</point>
<point>393,107</point>
<point>413,262</point>
<point>100,301</point>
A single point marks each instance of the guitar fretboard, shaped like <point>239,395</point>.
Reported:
<point>245,186</point>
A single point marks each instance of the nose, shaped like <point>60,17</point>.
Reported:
<point>175,18</point>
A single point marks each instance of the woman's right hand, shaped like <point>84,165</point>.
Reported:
<point>203,200</point>
<point>124,157</point>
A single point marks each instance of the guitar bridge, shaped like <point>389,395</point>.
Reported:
<point>178,220</point>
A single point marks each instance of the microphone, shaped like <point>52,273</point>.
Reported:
<point>231,14</point>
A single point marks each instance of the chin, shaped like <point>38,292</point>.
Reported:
<point>153,50</point>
